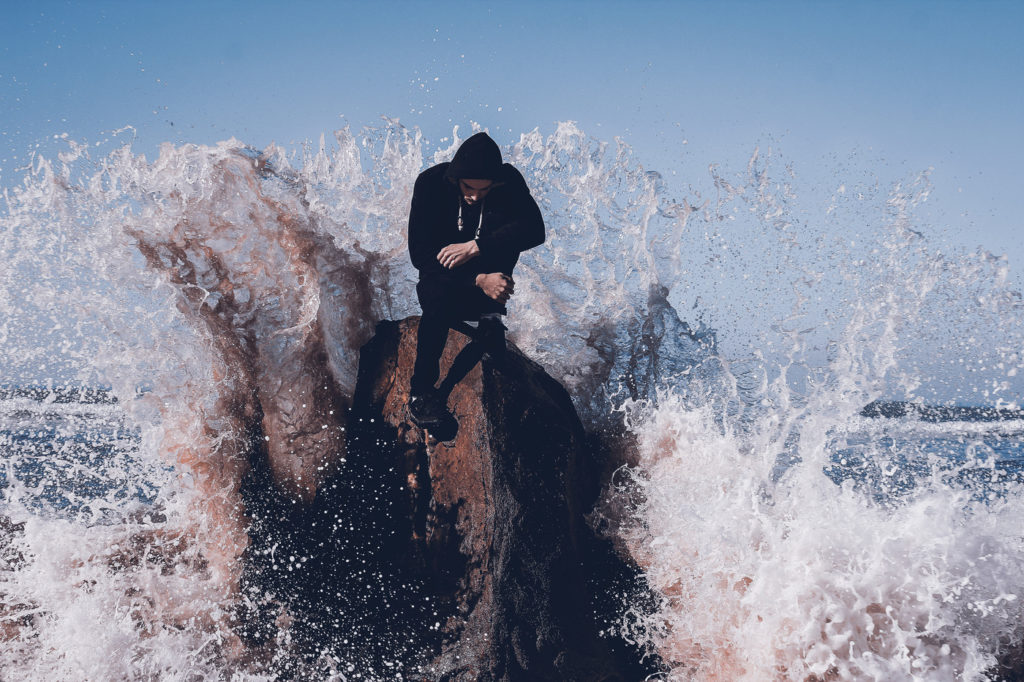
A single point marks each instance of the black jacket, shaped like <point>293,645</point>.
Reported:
<point>512,222</point>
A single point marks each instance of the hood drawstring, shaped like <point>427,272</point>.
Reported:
<point>479,225</point>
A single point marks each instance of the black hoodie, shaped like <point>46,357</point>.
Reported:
<point>511,223</point>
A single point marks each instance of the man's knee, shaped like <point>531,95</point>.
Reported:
<point>492,336</point>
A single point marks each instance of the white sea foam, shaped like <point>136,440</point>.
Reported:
<point>794,577</point>
<point>766,567</point>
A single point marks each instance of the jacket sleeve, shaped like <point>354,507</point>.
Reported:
<point>524,227</point>
<point>426,234</point>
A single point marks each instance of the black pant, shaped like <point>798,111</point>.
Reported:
<point>442,308</point>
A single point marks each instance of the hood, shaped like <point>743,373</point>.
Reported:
<point>478,158</point>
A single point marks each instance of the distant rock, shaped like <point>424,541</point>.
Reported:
<point>59,394</point>
<point>896,409</point>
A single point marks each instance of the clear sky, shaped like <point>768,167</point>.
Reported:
<point>910,85</point>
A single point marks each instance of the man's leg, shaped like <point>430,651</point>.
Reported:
<point>430,340</point>
<point>488,342</point>
<point>428,408</point>
<point>492,336</point>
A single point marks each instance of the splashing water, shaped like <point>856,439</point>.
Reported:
<point>765,567</point>
<point>223,295</point>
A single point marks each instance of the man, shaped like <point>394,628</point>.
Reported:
<point>470,219</point>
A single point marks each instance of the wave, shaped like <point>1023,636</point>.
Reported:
<point>737,334</point>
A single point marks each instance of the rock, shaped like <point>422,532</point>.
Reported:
<point>495,519</point>
<point>460,561</point>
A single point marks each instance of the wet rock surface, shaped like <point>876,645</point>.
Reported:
<point>466,560</point>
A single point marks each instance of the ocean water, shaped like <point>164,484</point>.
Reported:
<point>738,331</point>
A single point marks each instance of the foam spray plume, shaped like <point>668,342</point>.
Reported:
<point>223,294</point>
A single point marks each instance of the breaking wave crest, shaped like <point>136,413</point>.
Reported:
<point>737,333</point>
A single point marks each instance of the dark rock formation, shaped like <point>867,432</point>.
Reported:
<point>468,560</point>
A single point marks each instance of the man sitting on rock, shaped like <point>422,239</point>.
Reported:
<point>470,219</point>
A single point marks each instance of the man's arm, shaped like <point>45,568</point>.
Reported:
<point>424,233</point>
<point>454,255</point>
<point>525,227</point>
<point>496,285</point>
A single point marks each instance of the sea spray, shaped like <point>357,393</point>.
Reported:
<point>744,324</point>
<point>774,555</point>
<point>783,577</point>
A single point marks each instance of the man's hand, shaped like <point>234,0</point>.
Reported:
<point>457,254</point>
<point>496,285</point>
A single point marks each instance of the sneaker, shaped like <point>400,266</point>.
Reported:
<point>428,408</point>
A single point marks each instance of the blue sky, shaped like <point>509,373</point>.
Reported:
<point>908,85</point>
